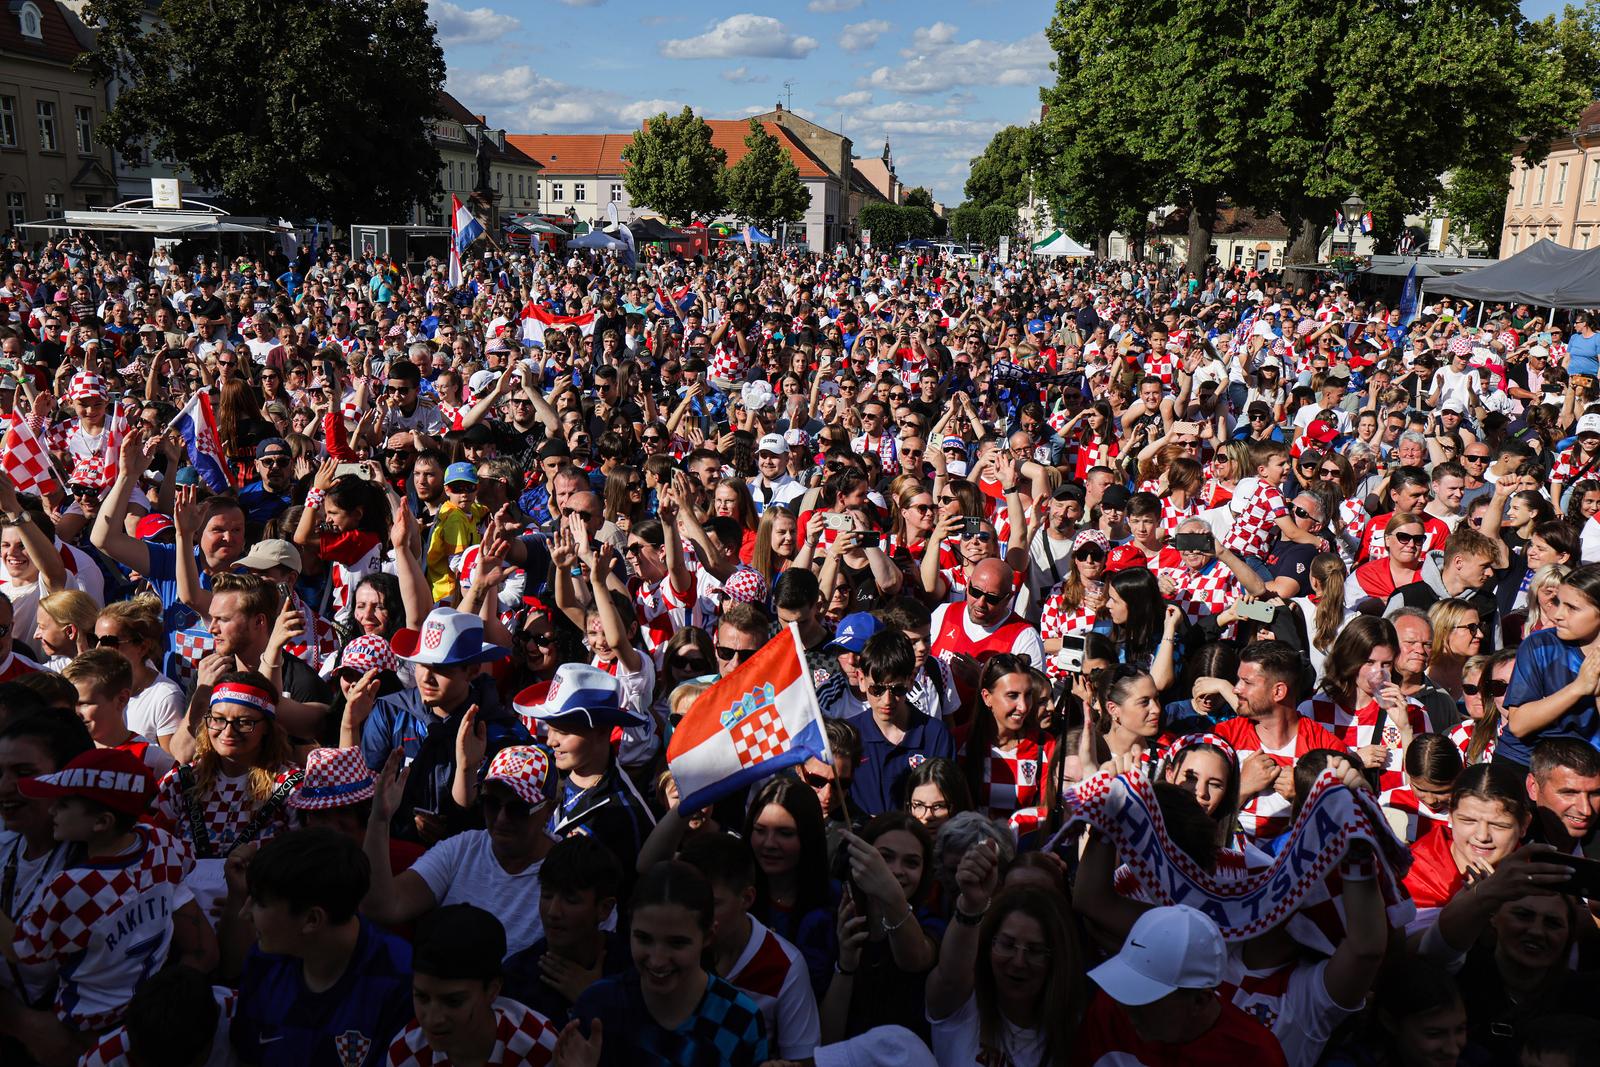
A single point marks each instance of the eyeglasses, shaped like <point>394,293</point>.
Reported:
<point>652,438</point>
<point>462,487</point>
<point>688,663</point>
<point>243,727</point>
<point>917,808</point>
<point>1471,628</point>
<point>567,513</point>
<point>819,783</point>
<point>1493,688</point>
<point>1470,458</point>
<point>899,690</point>
<point>515,809</point>
<point>920,507</point>
<point>999,597</point>
<point>735,655</point>
<point>983,536</point>
<point>1302,513</point>
<point>397,390</point>
<point>109,641</point>
<point>634,548</point>
<point>1331,472</point>
<point>395,453</point>
<point>273,461</point>
<point>84,490</point>
<point>1005,945</point>
<point>1409,538</point>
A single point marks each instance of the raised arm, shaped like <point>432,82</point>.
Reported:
<point>110,534</point>
<point>950,983</point>
<point>391,899</point>
<point>187,513</point>
<point>41,551</point>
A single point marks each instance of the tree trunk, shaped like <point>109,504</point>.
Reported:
<point>1102,245</point>
<point>1202,220</point>
<point>1303,249</point>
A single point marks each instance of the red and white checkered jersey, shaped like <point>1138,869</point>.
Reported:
<point>1172,514</point>
<point>663,610</point>
<point>772,972</point>
<point>1266,815</point>
<point>1162,364</point>
<point>1203,593</point>
<point>112,1049</point>
<point>522,1038</point>
<point>727,364</point>
<point>1568,463</point>
<point>70,436</point>
<point>1420,820</point>
<point>227,809</point>
<point>108,924</point>
<point>1057,620</point>
<point>1255,527</point>
<point>318,640</point>
<point>1461,735</point>
<point>1013,781</point>
<point>1357,729</point>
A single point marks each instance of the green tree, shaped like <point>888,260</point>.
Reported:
<point>765,187</point>
<point>673,167</point>
<point>293,108</point>
<point>893,224</point>
<point>1002,174</point>
<point>983,225</point>
<point>1475,199</point>
<point>919,197</point>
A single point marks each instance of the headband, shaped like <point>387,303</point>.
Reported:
<point>244,695</point>
<point>1188,741</point>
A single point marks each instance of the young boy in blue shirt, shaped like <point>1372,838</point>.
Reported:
<point>895,737</point>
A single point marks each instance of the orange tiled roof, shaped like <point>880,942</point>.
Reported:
<point>601,153</point>
<point>573,153</point>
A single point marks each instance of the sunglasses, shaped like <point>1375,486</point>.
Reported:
<point>1302,513</point>
<point>516,809</point>
<point>1469,458</point>
<point>873,689</point>
<point>1471,628</point>
<point>1331,472</point>
<point>983,536</point>
<point>1090,552</point>
<point>735,655</point>
<point>819,783</point>
<point>567,513</point>
<point>688,663</point>
<point>109,641</point>
<point>994,598</point>
<point>1493,688</point>
<point>273,461</point>
<point>1410,538</point>
<point>542,640</point>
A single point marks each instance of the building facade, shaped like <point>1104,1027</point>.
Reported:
<point>580,174</point>
<point>1560,198</point>
<point>50,158</point>
<point>467,142</point>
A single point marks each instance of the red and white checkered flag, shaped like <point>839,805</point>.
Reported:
<point>27,462</point>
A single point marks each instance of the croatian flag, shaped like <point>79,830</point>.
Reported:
<point>750,725</point>
<point>536,320</point>
<point>198,429</point>
<point>1365,223</point>
<point>464,229</point>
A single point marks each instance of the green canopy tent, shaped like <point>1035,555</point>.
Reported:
<point>1059,244</point>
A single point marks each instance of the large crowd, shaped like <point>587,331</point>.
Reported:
<point>1208,666</point>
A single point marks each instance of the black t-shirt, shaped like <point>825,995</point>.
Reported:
<point>1292,559</point>
<point>201,308</point>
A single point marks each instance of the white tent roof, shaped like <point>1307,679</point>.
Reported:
<point>1059,244</point>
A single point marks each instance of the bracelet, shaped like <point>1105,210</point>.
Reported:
<point>1008,489</point>
<point>840,970</point>
<point>888,929</point>
<point>314,499</point>
<point>967,919</point>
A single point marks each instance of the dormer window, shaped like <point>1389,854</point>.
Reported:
<point>31,21</point>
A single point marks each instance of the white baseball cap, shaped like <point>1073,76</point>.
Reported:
<point>1168,949</point>
<point>882,1046</point>
<point>773,443</point>
<point>1589,423</point>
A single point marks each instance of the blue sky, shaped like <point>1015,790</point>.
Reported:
<point>937,77</point>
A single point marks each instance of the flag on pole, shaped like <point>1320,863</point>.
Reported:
<point>1338,219</point>
<point>1408,299</point>
<point>1366,222</point>
<point>198,429</point>
<point>750,725</point>
<point>27,462</point>
<point>625,235</point>
<point>536,320</point>
<point>464,229</point>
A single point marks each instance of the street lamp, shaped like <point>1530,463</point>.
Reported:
<point>1354,207</point>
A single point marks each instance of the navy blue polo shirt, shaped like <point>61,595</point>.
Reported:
<point>1545,665</point>
<point>876,786</point>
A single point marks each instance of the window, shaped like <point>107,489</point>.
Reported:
<point>557,192</point>
<point>32,25</point>
<point>83,120</point>
<point>578,193</point>
<point>52,205</point>
<point>8,122</point>
<point>16,210</point>
<point>46,112</point>
<point>1522,188</point>
<point>1561,184</point>
<point>616,192</point>
<point>1584,237</point>
<point>497,181</point>
<point>1594,181</point>
<point>1538,190</point>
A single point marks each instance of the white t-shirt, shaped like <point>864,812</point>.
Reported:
<point>955,1041</point>
<point>639,687</point>
<point>1297,1009</point>
<point>24,596</point>
<point>462,870</point>
<point>157,710</point>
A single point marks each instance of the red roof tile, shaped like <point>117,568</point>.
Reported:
<point>59,44</point>
<point>729,135</point>
<point>601,153</point>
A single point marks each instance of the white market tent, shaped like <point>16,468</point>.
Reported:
<point>1059,244</point>
<point>139,216</point>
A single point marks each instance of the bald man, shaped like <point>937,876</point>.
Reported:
<point>968,632</point>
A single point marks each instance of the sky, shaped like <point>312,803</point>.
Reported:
<point>936,77</point>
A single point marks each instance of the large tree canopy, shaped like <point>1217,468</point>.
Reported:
<point>293,108</point>
<point>1002,174</point>
<point>673,167</point>
<point>765,187</point>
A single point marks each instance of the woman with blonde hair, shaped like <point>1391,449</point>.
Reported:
<point>233,792</point>
<point>65,626</point>
<point>1232,462</point>
<point>1323,608</point>
<point>777,540</point>
<point>1457,637</point>
<point>1542,596</point>
<point>134,628</point>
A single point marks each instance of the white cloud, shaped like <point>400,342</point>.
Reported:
<point>742,75</point>
<point>524,101</point>
<point>906,111</point>
<point>479,25</point>
<point>858,98</point>
<point>742,35</point>
<point>583,3</point>
<point>859,36</point>
<point>832,7</point>
<point>937,61</point>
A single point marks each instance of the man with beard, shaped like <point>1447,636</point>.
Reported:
<point>266,498</point>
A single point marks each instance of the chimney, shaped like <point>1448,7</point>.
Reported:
<point>779,106</point>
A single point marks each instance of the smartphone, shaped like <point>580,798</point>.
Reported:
<point>1585,881</point>
<point>1070,656</point>
<point>1544,338</point>
<point>869,539</point>
<point>356,470</point>
<point>1256,610</point>
<point>971,526</point>
<point>834,520</point>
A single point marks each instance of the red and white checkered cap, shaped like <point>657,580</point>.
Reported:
<point>1460,345</point>
<point>1097,538</point>
<point>89,471</point>
<point>747,586</point>
<point>86,386</point>
<point>334,778</point>
<point>369,652</point>
<point>525,768</point>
